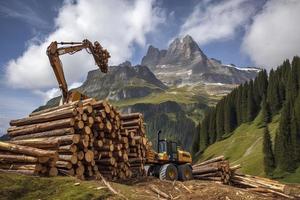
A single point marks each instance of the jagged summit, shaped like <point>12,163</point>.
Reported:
<point>185,63</point>
<point>184,52</point>
<point>125,64</point>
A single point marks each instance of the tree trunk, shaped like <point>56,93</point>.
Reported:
<point>51,133</point>
<point>27,150</point>
<point>44,118</point>
<point>35,128</point>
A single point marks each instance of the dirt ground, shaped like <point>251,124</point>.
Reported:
<point>196,189</point>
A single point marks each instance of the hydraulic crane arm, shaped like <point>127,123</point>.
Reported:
<point>100,56</point>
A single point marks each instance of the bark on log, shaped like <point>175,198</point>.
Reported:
<point>64,164</point>
<point>136,122</point>
<point>205,170</point>
<point>44,118</point>
<point>219,158</point>
<point>35,128</point>
<point>21,166</point>
<point>42,144</point>
<point>71,158</point>
<point>4,158</point>
<point>130,116</point>
<point>66,139</point>
<point>64,106</point>
<point>68,148</point>
<point>107,161</point>
<point>57,132</point>
<point>27,150</point>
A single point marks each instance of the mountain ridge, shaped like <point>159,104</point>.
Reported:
<point>185,63</point>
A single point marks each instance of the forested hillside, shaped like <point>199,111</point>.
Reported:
<point>276,94</point>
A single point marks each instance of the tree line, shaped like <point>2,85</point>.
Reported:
<point>275,93</point>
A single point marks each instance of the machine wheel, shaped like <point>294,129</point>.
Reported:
<point>168,172</point>
<point>185,172</point>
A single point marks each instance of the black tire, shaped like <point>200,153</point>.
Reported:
<point>168,172</point>
<point>185,172</point>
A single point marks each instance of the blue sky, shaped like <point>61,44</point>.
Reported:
<point>242,32</point>
<point>31,19</point>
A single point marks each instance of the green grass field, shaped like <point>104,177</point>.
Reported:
<point>244,147</point>
<point>182,95</point>
<point>14,186</point>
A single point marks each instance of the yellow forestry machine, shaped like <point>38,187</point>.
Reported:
<point>53,51</point>
<point>169,162</point>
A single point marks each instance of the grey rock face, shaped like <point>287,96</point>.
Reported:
<point>185,63</point>
<point>121,82</point>
<point>153,57</point>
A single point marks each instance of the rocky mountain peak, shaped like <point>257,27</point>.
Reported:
<point>183,51</point>
<point>153,56</point>
<point>185,63</point>
<point>125,64</point>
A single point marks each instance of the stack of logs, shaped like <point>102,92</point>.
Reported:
<point>151,155</point>
<point>88,136</point>
<point>215,169</point>
<point>133,124</point>
<point>27,160</point>
<point>265,186</point>
<point>218,169</point>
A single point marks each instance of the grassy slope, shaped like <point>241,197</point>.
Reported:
<point>207,94</point>
<point>187,95</point>
<point>13,186</point>
<point>244,147</point>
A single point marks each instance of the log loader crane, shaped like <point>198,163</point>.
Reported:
<point>100,56</point>
<point>170,161</point>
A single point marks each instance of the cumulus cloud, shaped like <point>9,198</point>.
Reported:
<point>54,92</point>
<point>116,24</point>
<point>274,34</point>
<point>217,21</point>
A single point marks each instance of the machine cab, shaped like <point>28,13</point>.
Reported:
<point>167,147</point>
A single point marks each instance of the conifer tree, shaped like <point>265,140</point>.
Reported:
<point>204,137</point>
<point>296,65</point>
<point>251,108</point>
<point>238,105</point>
<point>295,136</point>
<point>263,83</point>
<point>220,119</point>
<point>196,141</point>
<point>269,161</point>
<point>229,116</point>
<point>212,127</point>
<point>244,102</point>
<point>292,85</point>
<point>273,97</point>
<point>284,151</point>
<point>266,115</point>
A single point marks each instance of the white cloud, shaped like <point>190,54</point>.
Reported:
<point>54,92</point>
<point>217,21</point>
<point>116,24</point>
<point>274,34</point>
